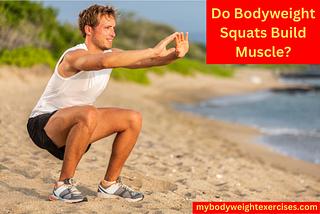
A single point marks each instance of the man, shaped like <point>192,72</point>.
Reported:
<point>65,123</point>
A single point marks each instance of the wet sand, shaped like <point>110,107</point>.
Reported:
<point>178,159</point>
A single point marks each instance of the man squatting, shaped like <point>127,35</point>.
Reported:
<point>65,123</point>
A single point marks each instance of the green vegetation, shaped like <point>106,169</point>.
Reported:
<point>147,34</point>
<point>189,66</point>
<point>183,66</point>
<point>281,66</point>
<point>30,34</point>
<point>27,56</point>
<point>138,75</point>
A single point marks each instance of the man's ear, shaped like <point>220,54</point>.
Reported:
<point>88,30</point>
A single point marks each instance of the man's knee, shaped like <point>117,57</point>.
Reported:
<point>135,119</point>
<point>89,116</point>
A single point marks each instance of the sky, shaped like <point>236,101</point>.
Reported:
<point>184,16</point>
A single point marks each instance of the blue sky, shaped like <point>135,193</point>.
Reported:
<point>182,15</point>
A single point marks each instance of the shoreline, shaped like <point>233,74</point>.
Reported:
<point>179,158</point>
<point>252,148</point>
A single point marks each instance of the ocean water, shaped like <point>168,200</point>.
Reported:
<point>290,119</point>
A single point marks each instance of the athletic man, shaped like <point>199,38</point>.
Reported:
<point>65,123</point>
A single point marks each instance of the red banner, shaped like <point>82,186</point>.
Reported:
<point>263,32</point>
<point>256,207</point>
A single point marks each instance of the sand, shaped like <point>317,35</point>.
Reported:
<point>178,159</point>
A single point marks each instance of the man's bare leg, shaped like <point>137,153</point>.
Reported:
<point>127,124</point>
<point>72,127</point>
<point>76,127</point>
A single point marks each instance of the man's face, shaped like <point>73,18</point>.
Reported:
<point>103,34</point>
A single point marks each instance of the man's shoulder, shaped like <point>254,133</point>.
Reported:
<point>115,49</point>
<point>78,47</point>
<point>76,50</point>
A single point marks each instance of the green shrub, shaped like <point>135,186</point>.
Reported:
<point>189,67</point>
<point>283,66</point>
<point>26,56</point>
<point>182,66</point>
<point>136,75</point>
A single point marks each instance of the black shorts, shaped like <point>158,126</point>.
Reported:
<point>39,136</point>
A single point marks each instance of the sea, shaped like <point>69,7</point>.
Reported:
<point>289,118</point>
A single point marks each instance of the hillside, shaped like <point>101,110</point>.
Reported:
<point>30,34</point>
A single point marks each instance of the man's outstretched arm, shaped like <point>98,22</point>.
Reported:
<point>167,56</point>
<point>82,60</point>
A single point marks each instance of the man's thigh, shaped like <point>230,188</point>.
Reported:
<point>110,121</point>
<point>60,124</point>
<point>113,120</point>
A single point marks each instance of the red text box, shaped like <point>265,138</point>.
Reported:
<point>263,32</point>
<point>256,207</point>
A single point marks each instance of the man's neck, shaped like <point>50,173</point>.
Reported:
<point>92,48</point>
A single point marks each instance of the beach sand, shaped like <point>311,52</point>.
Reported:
<point>178,158</point>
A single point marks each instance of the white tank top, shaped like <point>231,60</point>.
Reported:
<point>83,88</point>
